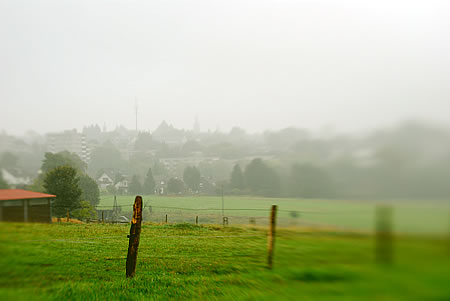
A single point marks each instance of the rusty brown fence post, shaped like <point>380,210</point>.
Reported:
<point>271,237</point>
<point>135,233</point>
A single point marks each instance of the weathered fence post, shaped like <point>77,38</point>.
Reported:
<point>135,233</point>
<point>271,238</point>
<point>196,220</point>
<point>166,218</point>
<point>383,235</point>
<point>68,216</point>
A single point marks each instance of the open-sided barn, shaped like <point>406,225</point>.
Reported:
<point>17,205</point>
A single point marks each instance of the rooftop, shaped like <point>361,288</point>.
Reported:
<point>20,194</point>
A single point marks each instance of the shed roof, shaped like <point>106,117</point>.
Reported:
<point>20,194</point>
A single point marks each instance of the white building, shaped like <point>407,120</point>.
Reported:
<point>104,181</point>
<point>70,141</point>
<point>122,186</point>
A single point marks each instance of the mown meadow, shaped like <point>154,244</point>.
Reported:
<point>64,261</point>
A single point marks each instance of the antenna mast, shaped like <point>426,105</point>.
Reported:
<point>136,108</point>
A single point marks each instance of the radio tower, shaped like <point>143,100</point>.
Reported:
<point>136,109</point>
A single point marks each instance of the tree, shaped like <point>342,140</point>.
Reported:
<point>175,185</point>
<point>309,181</point>
<point>237,178</point>
<point>191,177</point>
<point>135,164</point>
<point>63,182</point>
<point>52,161</point>
<point>261,179</point>
<point>135,185</point>
<point>90,190</point>
<point>159,169</point>
<point>9,161</point>
<point>118,178</point>
<point>149,183</point>
<point>144,142</point>
<point>106,157</point>
<point>112,189</point>
<point>38,184</point>
<point>86,211</point>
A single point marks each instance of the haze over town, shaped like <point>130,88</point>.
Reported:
<point>258,65</point>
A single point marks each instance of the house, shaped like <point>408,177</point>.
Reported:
<point>104,181</point>
<point>160,185</point>
<point>17,205</point>
<point>122,186</point>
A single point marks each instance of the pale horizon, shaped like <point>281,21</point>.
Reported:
<point>259,65</point>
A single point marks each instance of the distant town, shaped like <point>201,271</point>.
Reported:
<point>325,165</point>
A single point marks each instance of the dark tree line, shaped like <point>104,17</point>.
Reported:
<point>258,178</point>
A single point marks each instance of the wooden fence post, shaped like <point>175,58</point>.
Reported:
<point>68,216</point>
<point>448,236</point>
<point>103,217</point>
<point>271,238</point>
<point>135,233</point>
<point>383,235</point>
<point>196,220</point>
<point>166,218</point>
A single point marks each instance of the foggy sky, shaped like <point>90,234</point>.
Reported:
<point>251,63</point>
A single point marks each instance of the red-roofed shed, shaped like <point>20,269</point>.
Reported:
<point>18,205</point>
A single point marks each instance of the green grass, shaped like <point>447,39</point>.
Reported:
<point>423,217</point>
<point>184,261</point>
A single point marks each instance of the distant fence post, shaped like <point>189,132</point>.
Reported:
<point>103,217</point>
<point>196,220</point>
<point>68,216</point>
<point>166,218</point>
<point>383,235</point>
<point>448,236</point>
<point>135,233</point>
<point>271,237</point>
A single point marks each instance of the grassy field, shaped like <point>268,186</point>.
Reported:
<point>182,261</point>
<point>408,217</point>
